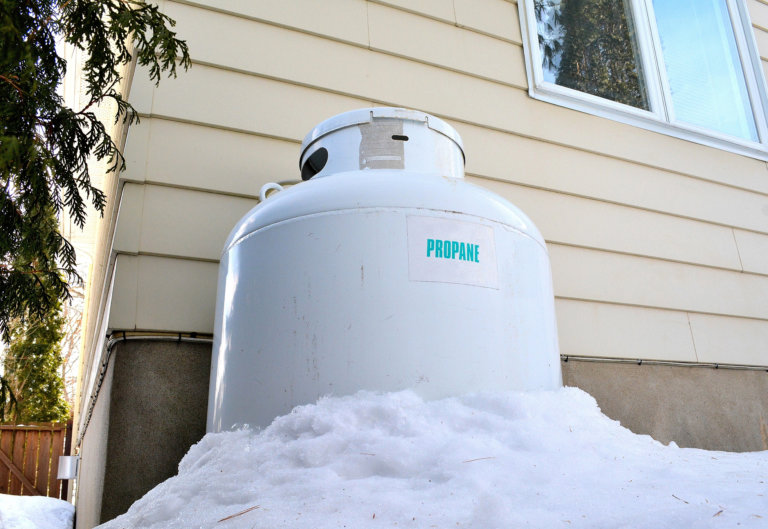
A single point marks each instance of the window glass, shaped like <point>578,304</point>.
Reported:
<point>703,68</point>
<point>591,46</point>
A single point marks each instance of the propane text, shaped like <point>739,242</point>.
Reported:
<point>453,250</point>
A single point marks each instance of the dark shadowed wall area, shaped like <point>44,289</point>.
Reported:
<point>150,410</point>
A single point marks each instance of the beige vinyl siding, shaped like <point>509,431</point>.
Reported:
<point>761,38</point>
<point>491,17</point>
<point>659,246</point>
<point>580,273</point>
<point>384,79</point>
<point>227,161</point>
<point>441,10</point>
<point>445,45</point>
<point>753,251</point>
<point>575,221</point>
<point>758,12</point>
<point>177,222</point>
<point>588,328</point>
<point>734,340</point>
<point>343,20</point>
<point>153,293</point>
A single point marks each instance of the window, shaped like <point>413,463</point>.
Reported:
<point>683,67</point>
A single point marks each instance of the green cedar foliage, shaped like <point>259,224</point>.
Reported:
<point>45,146</point>
<point>32,386</point>
<point>33,370</point>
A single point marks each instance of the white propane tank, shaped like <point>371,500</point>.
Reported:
<point>383,270</point>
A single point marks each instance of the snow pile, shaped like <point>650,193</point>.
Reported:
<point>544,460</point>
<point>35,512</point>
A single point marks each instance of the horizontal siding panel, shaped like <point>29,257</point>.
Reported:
<point>244,102</point>
<point>753,250</point>
<point>175,294</point>
<point>601,329</point>
<point>339,19</point>
<point>128,226</point>
<point>527,161</point>
<point>446,45</point>
<point>765,68</point>
<point>594,275</point>
<point>493,17</point>
<point>212,37</point>
<point>302,57</point>
<point>122,311</point>
<point>730,340</point>
<point>594,224</point>
<point>137,145</point>
<point>438,9</point>
<point>761,38</point>
<point>229,162</point>
<point>446,94</point>
<point>163,294</point>
<point>240,163</point>
<point>758,13</point>
<point>188,223</point>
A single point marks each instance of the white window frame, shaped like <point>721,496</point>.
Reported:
<point>661,116</point>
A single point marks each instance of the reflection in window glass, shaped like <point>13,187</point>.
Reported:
<point>590,46</point>
<point>703,66</point>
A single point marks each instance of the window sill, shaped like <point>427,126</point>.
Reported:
<point>646,120</point>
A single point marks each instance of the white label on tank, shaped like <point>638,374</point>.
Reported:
<point>451,251</point>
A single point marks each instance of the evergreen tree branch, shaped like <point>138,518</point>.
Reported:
<point>45,154</point>
<point>45,146</point>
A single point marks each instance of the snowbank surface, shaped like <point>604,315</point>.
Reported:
<point>35,512</point>
<point>510,460</point>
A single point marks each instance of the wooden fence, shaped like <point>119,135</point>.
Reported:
<point>29,458</point>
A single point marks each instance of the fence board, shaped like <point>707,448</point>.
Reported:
<point>5,473</point>
<point>17,473</point>
<point>29,458</point>
<point>17,487</point>
<point>54,485</point>
<point>44,463</point>
<point>32,444</point>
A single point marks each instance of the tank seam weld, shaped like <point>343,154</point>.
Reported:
<point>373,210</point>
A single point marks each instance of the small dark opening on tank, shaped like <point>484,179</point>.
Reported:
<point>399,137</point>
<point>314,163</point>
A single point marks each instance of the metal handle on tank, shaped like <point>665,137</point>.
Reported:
<point>266,188</point>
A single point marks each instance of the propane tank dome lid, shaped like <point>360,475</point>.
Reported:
<point>367,115</point>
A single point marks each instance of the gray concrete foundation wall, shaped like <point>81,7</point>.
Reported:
<point>152,408</point>
<point>701,407</point>
<point>156,409</point>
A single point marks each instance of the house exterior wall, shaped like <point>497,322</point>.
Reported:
<point>156,412</point>
<point>659,246</point>
<point>90,472</point>
<point>645,231</point>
